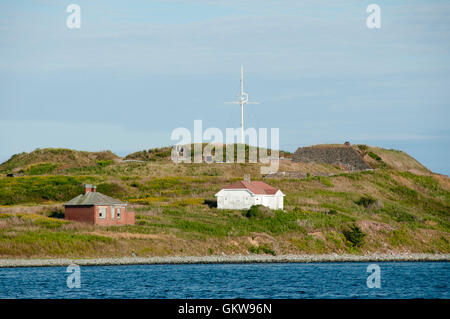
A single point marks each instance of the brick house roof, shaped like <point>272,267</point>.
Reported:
<point>93,198</point>
<point>256,187</point>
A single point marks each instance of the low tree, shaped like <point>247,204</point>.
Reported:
<point>363,149</point>
<point>354,235</point>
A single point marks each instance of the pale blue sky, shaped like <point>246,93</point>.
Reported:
<point>138,69</point>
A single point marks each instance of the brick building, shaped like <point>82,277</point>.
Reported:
<point>95,208</point>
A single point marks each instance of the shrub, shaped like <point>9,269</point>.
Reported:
<point>103,163</point>
<point>37,189</point>
<point>57,213</point>
<point>374,156</point>
<point>354,235</point>
<point>111,189</point>
<point>405,192</point>
<point>400,215</point>
<point>40,169</point>
<point>264,249</point>
<point>365,201</point>
<point>427,182</point>
<point>325,181</point>
<point>253,212</point>
<point>212,172</point>
<point>147,200</point>
<point>258,211</point>
<point>188,201</point>
<point>363,149</point>
<point>212,203</point>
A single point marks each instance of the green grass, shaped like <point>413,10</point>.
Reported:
<point>49,243</point>
<point>262,249</point>
<point>410,212</point>
<point>40,169</point>
<point>354,235</point>
<point>374,156</point>
<point>37,189</point>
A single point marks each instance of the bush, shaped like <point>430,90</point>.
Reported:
<point>363,149</point>
<point>325,181</point>
<point>400,215</point>
<point>188,201</point>
<point>103,163</point>
<point>427,182</point>
<point>40,169</point>
<point>258,211</point>
<point>212,203</point>
<point>405,192</point>
<point>253,212</point>
<point>57,213</point>
<point>365,201</point>
<point>111,189</point>
<point>354,235</point>
<point>374,156</point>
<point>37,189</point>
<point>261,249</point>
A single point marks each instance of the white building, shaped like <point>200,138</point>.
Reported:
<point>245,194</point>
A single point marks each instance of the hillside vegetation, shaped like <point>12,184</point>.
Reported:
<point>50,160</point>
<point>399,206</point>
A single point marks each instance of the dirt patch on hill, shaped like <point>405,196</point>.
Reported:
<point>370,226</point>
<point>443,180</point>
<point>26,209</point>
<point>128,235</point>
<point>400,161</point>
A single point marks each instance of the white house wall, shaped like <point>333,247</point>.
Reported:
<point>243,199</point>
<point>273,201</point>
<point>235,199</point>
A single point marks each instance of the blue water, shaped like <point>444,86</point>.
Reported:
<point>290,280</point>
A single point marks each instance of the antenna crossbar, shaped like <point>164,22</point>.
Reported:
<point>242,99</point>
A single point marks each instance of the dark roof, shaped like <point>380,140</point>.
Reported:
<point>256,187</point>
<point>93,198</point>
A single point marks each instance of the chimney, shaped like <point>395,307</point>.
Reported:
<point>89,188</point>
<point>247,178</point>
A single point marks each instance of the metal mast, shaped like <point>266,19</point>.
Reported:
<point>242,99</point>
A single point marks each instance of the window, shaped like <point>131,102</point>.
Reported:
<point>112,212</point>
<point>102,212</point>
<point>118,213</point>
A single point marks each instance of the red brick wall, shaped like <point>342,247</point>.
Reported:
<point>84,214</point>
<point>91,215</point>
<point>130,219</point>
<point>126,218</point>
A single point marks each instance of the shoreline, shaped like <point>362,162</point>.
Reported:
<point>219,259</point>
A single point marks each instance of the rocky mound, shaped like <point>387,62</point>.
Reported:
<point>345,156</point>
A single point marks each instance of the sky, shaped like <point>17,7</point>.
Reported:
<point>136,70</point>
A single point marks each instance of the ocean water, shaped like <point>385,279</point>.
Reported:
<point>286,280</point>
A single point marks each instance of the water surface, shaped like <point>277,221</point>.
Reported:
<point>272,280</point>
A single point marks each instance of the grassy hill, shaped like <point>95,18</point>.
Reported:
<point>399,206</point>
<point>49,160</point>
